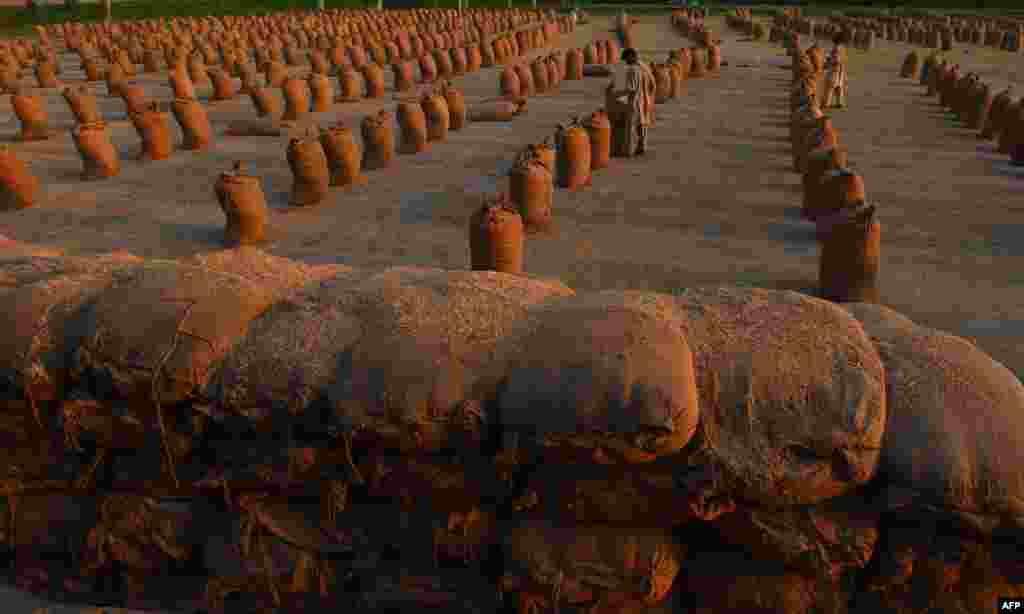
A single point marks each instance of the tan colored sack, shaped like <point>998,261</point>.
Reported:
<point>245,207</point>
<point>223,85</point>
<point>428,69</point>
<point>276,74</point>
<point>378,140</point>
<point>412,122</point>
<point>181,83</point>
<point>197,69</point>
<point>404,76</point>
<point>599,129</point>
<point>18,186</point>
<point>154,129</point>
<point>820,162</point>
<point>953,438</point>
<point>532,189</point>
<point>373,74</point>
<point>32,115</point>
<point>550,566</point>
<point>46,75</point>
<point>574,65</point>
<point>195,125</point>
<point>322,92</point>
<point>456,106</point>
<point>99,156</point>
<point>93,71</point>
<point>134,97</point>
<point>850,255</point>
<point>435,110</point>
<point>459,61</point>
<point>344,158</point>
<point>266,102</point>
<point>296,99</point>
<point>83,104</point>
<point>443,61</point>
<point>526,84</point>
<point>249,77</point>
<point>509,85</point>
<point>351,85</point>
<point>573,156</point>
<point>311,176</point>
<point>496,237</point>
<point>539,72</point>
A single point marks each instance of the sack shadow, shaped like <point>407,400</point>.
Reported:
<point>1006,168</point>
<point>207,237</point>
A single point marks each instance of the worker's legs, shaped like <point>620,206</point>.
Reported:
<point>641,142</point>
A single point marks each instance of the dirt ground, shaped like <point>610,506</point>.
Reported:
<point>713,202</point>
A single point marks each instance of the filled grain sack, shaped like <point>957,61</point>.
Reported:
<point>46,522</point>
<point>361,348</point>
<point>143,533</point>
<point>282,542</point>
<point>955,430</point>
<point>922,562</point>
<point>41,326</point>
<point>828,541</point>
<point>160,328</point>
<point>792,393</point>
<point>549,566</point>
<point>597,377</point>
<point>729,582</point>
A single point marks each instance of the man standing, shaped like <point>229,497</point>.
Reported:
<point>639,93</point>
<point>836,84</point>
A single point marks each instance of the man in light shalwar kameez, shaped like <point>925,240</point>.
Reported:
<point>836,84</point>
<point>640,89</point>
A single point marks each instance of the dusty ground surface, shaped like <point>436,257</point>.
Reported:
<point>714,201</point>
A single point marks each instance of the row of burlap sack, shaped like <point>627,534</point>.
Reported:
<point>996,116</point>
<point>567,448</point>
<point>936,32</point>
<point>384,42</point>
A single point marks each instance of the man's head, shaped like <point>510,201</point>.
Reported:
<point>629,55</point>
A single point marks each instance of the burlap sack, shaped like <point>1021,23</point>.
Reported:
<point>953,436</point>
<point>241,198</point>
<point>311,176</point>
<point>361,330</point>
<point>729,582</point>
<point>32,114</point>
<point>43,324</point>
<point>378,140</point>
<point>161,327</point>
<point>47,523</point>
<point>99,156</point>
<point>142,533</point>
<point>498,111</point>
<point>344,159</point>
<point>288,547</point>
<point>822,444</point>
<point>828,541</point>
<point>83,104</point>
<point>962,571</point>
<point>548,566</point>
<point>559,390</point>
<point>18,185</point>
